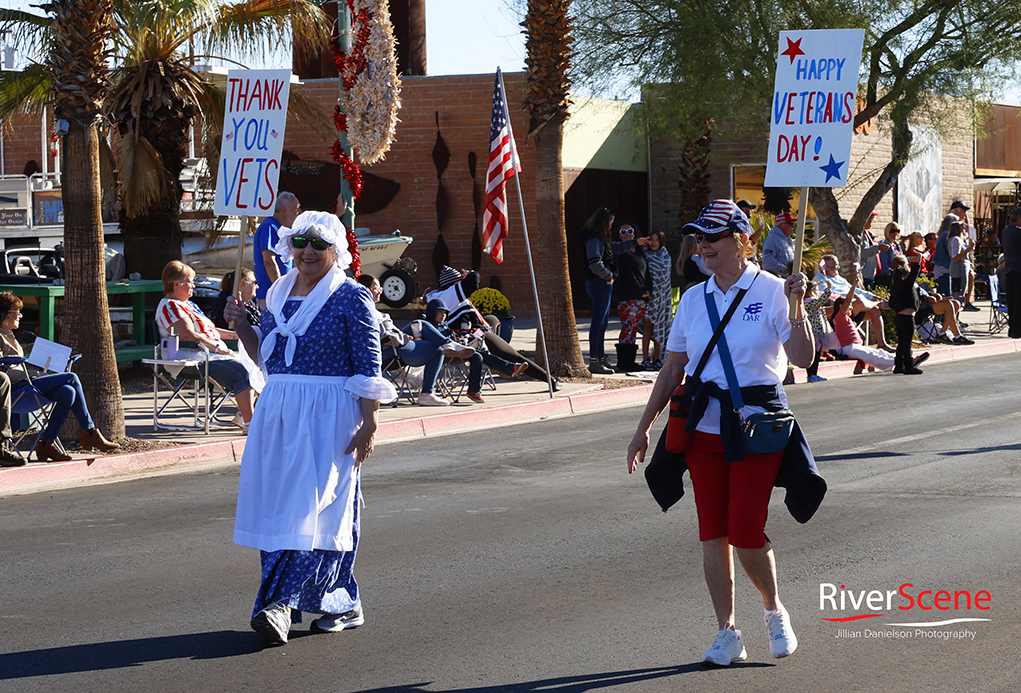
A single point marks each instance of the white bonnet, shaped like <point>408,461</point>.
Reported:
<point>326,225</point>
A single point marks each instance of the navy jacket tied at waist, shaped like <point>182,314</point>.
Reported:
<point>798,472</point>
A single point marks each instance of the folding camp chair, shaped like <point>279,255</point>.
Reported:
<point>183,377</point>
<point>998,313</point>
<point>399,375</point>
<point>30,409</point>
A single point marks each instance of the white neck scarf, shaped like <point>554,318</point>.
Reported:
<point>303,317</point>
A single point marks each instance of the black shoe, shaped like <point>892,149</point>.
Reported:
<point>971,308</point>
<point>599,367</point>
<point>962,340</point>
<point>943,339</point>
<point>8,458</point>
<point>913,371</point>
<point>921,358</point>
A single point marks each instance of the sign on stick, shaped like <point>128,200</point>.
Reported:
<point>814,98</point>
<point>253,141</point>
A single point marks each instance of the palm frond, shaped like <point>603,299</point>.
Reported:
<point>29,32</point>
<point>25,89</point>
<point>250,27</point>
<point>142,176</point>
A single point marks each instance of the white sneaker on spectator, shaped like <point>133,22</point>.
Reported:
<point>428,399</point>
<point>457,351</point>
<point>782,641</point>
<point>239,421</point>
<point>728,647</point>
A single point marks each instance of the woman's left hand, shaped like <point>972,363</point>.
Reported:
<point>362,443</point>
<point>795,285</point>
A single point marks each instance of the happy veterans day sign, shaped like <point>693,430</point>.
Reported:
<point>253,142</point>
<point>812,118</point>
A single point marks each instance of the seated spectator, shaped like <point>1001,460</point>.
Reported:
<point>456,288</point>
<point>864,302</point>
<point>916,247</point>
<point>436,314</point>
<point>248,289</point>
<point>64,389</point>
<point>848,338</point>
<point>176,314</point>
<point>930,248</point>
<point>946,309</point>
<point>8,457</point>
<point>419,344</point>
<point>817,299</point>
<point>496,344</point>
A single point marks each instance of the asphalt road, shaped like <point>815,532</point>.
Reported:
<point>526,559</point>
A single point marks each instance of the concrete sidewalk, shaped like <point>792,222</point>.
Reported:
<point>521,401</point>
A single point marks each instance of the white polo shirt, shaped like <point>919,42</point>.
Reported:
<point>755,334</point>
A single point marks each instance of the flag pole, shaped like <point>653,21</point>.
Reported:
<point>535,291</point>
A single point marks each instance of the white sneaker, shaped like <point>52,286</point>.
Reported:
<point>728,647</point>
<point>782,641</point>
<point>273,622</point>
<point>457,351</point>
<point>428,399</point>
<point>334,623</point>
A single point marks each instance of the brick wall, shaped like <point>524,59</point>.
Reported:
<point>23,143</point>
<point>464,104</point>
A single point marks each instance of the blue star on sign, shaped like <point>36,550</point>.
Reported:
<point>832,169</point>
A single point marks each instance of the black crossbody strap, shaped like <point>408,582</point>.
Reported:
<point>716,335</point>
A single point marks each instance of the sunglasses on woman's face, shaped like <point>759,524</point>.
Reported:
<point>300,242</point>
<point>712,237</point>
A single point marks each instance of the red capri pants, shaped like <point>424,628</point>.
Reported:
<point>732,499</point>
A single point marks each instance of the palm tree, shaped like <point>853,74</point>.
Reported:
<point>548,46</point>
<point>79,86</point>
<point>158,93</point>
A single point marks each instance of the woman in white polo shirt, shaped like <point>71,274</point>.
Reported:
<point>732,489</point>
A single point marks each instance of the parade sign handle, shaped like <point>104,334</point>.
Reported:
<point>251,149</point>
<point>812,115</point>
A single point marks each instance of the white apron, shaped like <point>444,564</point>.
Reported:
<point>297,486</point>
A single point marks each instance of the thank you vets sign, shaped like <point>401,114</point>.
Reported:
<point>253,141</point>
<point>812,118</point>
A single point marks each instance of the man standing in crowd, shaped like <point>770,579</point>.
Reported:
<point>960,210</point>
<point>268,266</point>
<point>1010,240</point>
<point>778,248</point>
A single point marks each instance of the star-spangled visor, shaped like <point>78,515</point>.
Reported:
<point>719,218</point>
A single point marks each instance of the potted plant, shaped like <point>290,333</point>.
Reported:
<point>492,302</point>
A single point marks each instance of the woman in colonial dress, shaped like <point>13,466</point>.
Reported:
<point>299,491</point>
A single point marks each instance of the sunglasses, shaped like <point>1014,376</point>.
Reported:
<point>712,237</point>
<point>625,232</point>
<point>300,242</point>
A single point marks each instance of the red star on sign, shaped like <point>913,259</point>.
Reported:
<point>793,50</point>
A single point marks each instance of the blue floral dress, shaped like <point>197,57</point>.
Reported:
<point>299,492</point>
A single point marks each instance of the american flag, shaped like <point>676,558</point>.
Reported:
<point>503,163</point>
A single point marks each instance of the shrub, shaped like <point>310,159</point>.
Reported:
<point>491,302</point>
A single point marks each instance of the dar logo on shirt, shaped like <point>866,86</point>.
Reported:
<point>753,312</point>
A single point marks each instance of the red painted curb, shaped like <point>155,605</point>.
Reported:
<point>35,475</point>
<point>475,419</point>
<point>609,399</point>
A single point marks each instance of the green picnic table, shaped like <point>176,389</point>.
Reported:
<point>48,295</point>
